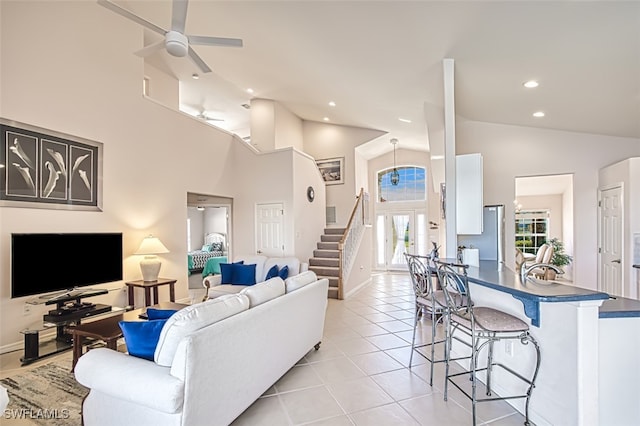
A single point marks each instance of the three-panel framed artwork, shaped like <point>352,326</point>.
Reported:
<point>47,169</point>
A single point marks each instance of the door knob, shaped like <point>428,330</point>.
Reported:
<point>616,261</point>
<point>259,251</point>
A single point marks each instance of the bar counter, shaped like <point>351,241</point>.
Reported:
<point>590,347</point>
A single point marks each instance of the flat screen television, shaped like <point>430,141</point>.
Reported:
<point>46,263</point>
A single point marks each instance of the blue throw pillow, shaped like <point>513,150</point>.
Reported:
<point>273,272</point>
<point>141,337</point>
<point>284,272</point>
<point>156,314</point>
<point>244,274</point>
<point>226,270</point>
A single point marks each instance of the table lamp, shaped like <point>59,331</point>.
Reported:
<point>150,264</point>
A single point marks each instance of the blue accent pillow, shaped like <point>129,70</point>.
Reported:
<point>284,272</point>
<point>226,270</point>
<point>141,337</point>
<point>273,272</point>
<point>206,247</point>
<point>244,274</point>
<point>156,314</point>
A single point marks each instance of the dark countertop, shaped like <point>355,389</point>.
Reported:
<point>499,277</point>
<point>619,307</point>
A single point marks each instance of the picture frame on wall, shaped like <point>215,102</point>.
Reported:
<point>332,170</point>
<point>42,168</point>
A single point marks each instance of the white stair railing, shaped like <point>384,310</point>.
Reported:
<point>348,245</point>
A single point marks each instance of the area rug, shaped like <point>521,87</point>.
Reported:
<point>47,395</point>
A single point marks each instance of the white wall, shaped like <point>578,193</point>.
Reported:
<point>626,173</point>
<point>288,128</point>
<point>153,155</point>
<point>196,224</point>
<point>263,124</point>
<point>510,151</point>
<point>322,141</point>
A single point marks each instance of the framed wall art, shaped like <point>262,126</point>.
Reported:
<point>47,169</point>
<point>332,170</point>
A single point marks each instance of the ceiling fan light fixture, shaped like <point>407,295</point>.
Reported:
<point>177,44</point>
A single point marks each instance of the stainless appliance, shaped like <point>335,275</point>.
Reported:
<point>491,242</point>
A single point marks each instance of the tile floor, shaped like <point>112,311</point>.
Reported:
<point>360,375</point>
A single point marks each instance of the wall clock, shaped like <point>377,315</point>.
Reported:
<point>311,194</point>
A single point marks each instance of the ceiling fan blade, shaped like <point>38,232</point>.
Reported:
<point>198,61</point>
<point>215,41</point>
<point>148,50</point>
<point>179,15</point>
<point>135,18</point>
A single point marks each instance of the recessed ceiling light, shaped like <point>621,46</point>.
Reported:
<point>404,120</point>
<point>326,118</point>
<point>332,104</point>
<point>195,76</point>
<point>538,114</point>
<point>530,84</point>
<point>249,90</point>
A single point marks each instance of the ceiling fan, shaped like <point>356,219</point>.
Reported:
<point>176,42</point>
<point>203,116</point>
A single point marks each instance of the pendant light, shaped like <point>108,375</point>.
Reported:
<point>395,176</point>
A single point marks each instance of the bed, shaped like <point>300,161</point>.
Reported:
<point>214,248</point>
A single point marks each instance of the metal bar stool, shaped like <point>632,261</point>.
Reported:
<point>482,327</point>
<point>429,301</point>
<point>426,304</point>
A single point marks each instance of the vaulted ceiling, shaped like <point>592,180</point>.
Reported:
<point>381,61</point>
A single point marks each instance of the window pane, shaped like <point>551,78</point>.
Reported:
<point>411,185</point>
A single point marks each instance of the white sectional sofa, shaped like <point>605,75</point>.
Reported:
<point>215,288</point>
<point>213,359</point>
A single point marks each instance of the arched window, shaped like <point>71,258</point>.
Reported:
<point>411,186</point>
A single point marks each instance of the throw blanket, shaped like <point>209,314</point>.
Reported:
<point>212,267</point>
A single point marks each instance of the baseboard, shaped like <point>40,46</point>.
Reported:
<point>357,288</point>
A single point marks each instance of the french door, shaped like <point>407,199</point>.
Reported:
<point>397,233</point>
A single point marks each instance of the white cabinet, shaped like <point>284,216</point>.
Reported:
<point>469,200</point>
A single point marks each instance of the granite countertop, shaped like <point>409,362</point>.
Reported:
<point>499,277</point>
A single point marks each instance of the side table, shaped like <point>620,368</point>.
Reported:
<point>148,285</point>
<point>108,329</point>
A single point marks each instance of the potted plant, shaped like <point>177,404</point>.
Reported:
<point>559,259</point>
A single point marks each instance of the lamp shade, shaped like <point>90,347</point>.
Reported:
<point>150,264</point>
<point>151,245</point>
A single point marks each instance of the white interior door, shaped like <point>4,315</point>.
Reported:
<point>610,279</point>
<point>270,229</point>
<point>398,233</point>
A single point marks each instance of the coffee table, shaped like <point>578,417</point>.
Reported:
<point>108,329</point>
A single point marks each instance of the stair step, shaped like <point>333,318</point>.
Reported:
<point>326,253</point>
<point>331,238</point>
<point>334,231</point>
<point>325,271</point>
<point>327,246</point>
<point>324,261</point>
<point>332,293</point>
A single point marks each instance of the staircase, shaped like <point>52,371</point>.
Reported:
<point>326,259</point>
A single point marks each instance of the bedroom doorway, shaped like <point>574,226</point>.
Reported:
<point>208,235</point>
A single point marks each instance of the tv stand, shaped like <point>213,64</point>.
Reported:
<point>70,310</point>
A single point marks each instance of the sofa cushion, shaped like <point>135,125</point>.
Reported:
<point>193,318</point>
<point>244,274</point>
<point>284,272</point>
<point>292,262</point>
<point>227,271</point>
<point>298,281</point>
<point>264,291</point>
<point>259,261</point>
<point>273,272</point>
<point>141,337</point>
<point>224,289</point>
<point>156,314</point>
